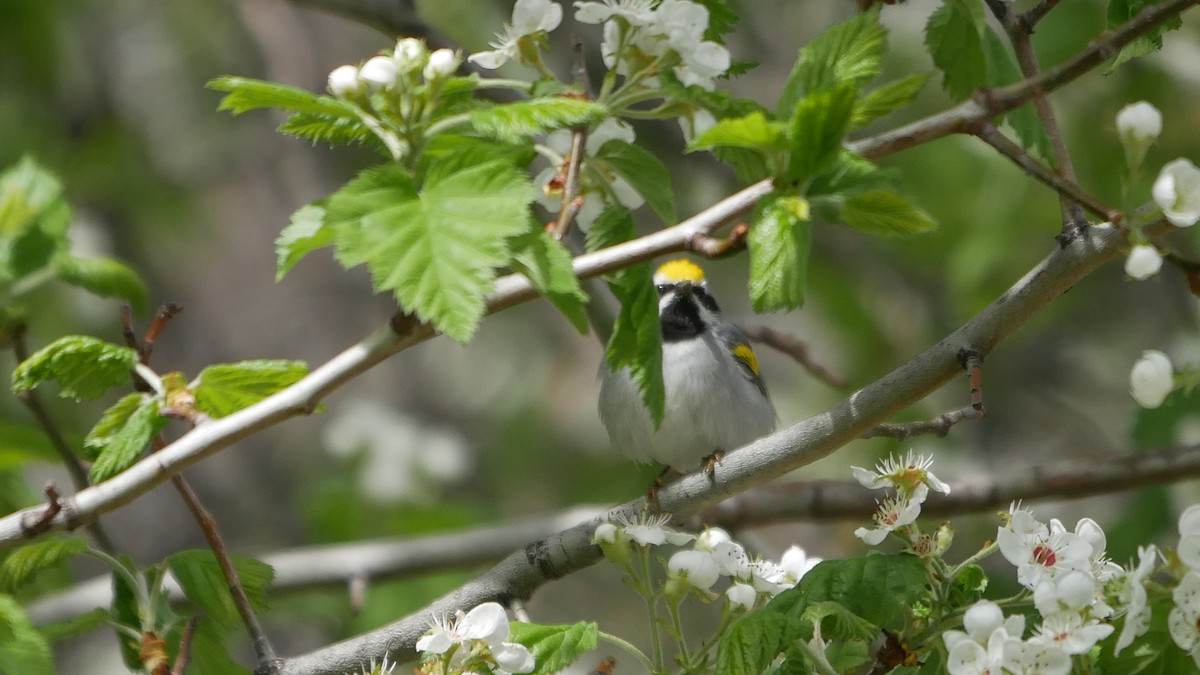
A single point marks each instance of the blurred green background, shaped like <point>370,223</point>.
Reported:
<point>110,95</point>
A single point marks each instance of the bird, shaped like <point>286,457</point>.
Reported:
<point>716,399</point>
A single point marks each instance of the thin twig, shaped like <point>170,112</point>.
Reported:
<point>989,134</point>
<point>1038,12</point>
<point>161,318</point>
<point>185,646</point>
<point>35,521</point>
<point>720,247</point>
<point>571,199</point>
<point>797,349</point>
<point>938,426</point>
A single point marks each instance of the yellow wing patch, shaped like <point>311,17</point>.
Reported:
<point>675,271</point>
<point>747,356</point>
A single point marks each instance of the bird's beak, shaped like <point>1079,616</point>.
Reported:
<point>684,287</point>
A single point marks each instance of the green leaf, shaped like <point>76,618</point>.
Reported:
<point>304,234</point>
<point>886,99</point>
<point>126,612</point>
<point>555,647</point>
<point>199,575</point>
<point>849,174</point>
<point>30,251</point>
<point>210,656</point>
<point>126,445</point>
<point>22,649</point>
<point>1120,11</point>
<point>953,38</point>
<point>837,622</point>
<point>512,122</point>
<point>753,132</point>
<point>226,388</point>
<point>19,566</point>
<point>645,172</point>
<point>818,124</point>
<point>445,154</point>
<point>847,54</point>
<point>636,341</point>
<point>27,191</point>
<point>104,277</point>
<point>1002,69</point>
<point>779,242</point>
<point>968,586</point>
<point>22,443</point>
<point>110,424</point>
<point>84,623</point>
<point>439,250</point>
<point>83,367</point>
<point>881,589</point>
<point>547,265</point>
<point>331,129</point>
<point>885,212</point>
<point>721,18</point>
<point>751,643</point>
<point>247,94</point>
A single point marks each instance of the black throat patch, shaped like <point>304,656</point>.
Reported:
<point>681,319</point>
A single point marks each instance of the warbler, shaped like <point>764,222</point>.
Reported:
<point>716,399</point>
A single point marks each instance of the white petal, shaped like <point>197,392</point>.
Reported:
<point>871,537</point>
<point>981,619</point>
<point>513,657</point>
<point>1189,520</point>
<point>487,622</point>
<point>1151,379</point>
<point>1143,262</point>
<point>343,81</point>
<point>490,60</point>
<point>1139,122</point>
<point>741,596</point>
<point>1177,192</point>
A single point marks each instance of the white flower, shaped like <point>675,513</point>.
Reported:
<point>893,512</point>
<point>971,657</point>
<point>1183,620</point>
<point>410,54</point>
<point>605,533</point>
<point>1039,551</point>
<point>379,72</point>
<point>1072,591</point>
<point>512,657</point>
<point>487,623</point>
<point>1189,537</point>
<point>1144,261</point>
<point>442,64</point>
<point>703,64</point>
<point>1151,379</point>
<point>1177,192</point>
<point>1138,125</point>
<point>343,81</point>
<point>903,474</point>
<point>636,12</point>
<point>682,23</point>
<point>1071,633</point>
<point>795,563</point>
<point>741,596</point>
<point>652,530</point>
<point>528,18</point>
<point>696,568</point>
<point>1137,611</point>
<point>1034,658</point>
<point>982,620</point>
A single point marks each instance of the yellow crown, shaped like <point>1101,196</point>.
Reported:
<point>675,271</point>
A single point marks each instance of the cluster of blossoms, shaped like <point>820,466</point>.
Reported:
<point>473,642</point>
<point>409,60</point>
<point>911,480</point>
<point>1184,619</point>
<point>713,555</point>
<point>1076,589</point>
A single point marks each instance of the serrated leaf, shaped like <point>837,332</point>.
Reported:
<point>751,643</point>
<point>127,444</point>
<point>1001,70</point>
<point>721,18</point>
<point>636,340</point>
<point>84,623</point>
<point>23,650</point>
<point>19,566</point>
<point>849,53</point>
<point>555,647</point>
<point>779,242</point>
<point>245,94</point>
<point>547,265</point>
<point>753,132</point>
<point>817,126</point>
<point>330,129</point>
<point>885,212</point>
<point>111,423</point>
<point>83,367</point>
<point>447,154</point>
<point>438,250</point>
<point>210,655</point>
<point>1120,11</point>
<point>953,38</point>
<point>849,174</point>
<point>645,172</point>
<point>200,577</point>
<point>837,622</point>
<point>305,233</point>
<point>880,589</point>
<point>105,277</point>
<point>886,99</point>
<point>226,388</point>
<point>512,122</point>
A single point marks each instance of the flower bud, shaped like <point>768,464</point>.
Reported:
<point>741,596</point>
<point>442,64</point>
<point>1138,125</point>
<point>379,72</point>
<point>1151,379</point>
<point>410,55</point>
<point>1177,192</point>
<point>1144,261</point>
<point>694,569</point>
<point>343,81</point>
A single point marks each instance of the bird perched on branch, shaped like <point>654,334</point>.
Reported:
<point>715,396</point>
